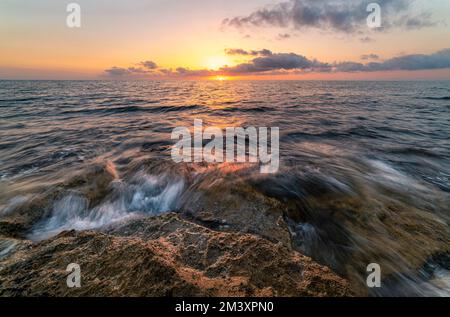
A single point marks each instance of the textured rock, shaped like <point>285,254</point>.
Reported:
<point>162,256</point>
<point>230,204</point>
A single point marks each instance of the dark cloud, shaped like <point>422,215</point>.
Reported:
<point>149,65</point>
<point>117,71</point>
<point>146,67</point>
<point>275,62</point>
<point>369,56</point>
<point>284,36</point>
<point>349,67</point>
<point>288,63</point>
<point>137,70</point>
<point>239,51</point>
<point>439,60</point>
<point>193,73</point>
<point>158,72</point>
<point>338,15</point>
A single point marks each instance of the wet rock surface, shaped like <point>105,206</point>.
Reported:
<point>93,183</point>
<point>165,256</point>
<point>233,234</point>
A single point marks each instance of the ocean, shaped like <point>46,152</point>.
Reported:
<point>364,171</point>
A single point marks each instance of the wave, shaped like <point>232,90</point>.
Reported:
<point>331,134</point>
<point>415,151</point>
<point>143,195</point>
<point>374,132</point>
<point>437,98</point>
<point>174,108</point>
<point>131,109</point>
<point>255,109</point>
<point>26,99</point>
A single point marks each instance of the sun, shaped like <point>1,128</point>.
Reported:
<point>221,78</point>
<point>217,62</point>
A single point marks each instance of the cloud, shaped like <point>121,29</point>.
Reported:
<point>294,62</point>
<point>186,72</point>
<point>369,56</point>
<point>115,71</point>
<point>275,62</point>
<point>119,71</point>
<point>149,64</point>
<point>242,52</point>
<point>134,72</point>
<point>265,62</point>
<point>137,70</point>
<point>366,39</point>
<point>283,36</point>
<point>145,67</point>
<point>338,15</point>
<point>438,60</point>
<point>419,21</point>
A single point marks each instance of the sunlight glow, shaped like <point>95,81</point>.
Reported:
<point>217,62</point>
<point>221,78</point>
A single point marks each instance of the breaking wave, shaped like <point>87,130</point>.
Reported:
<point>144,195</point>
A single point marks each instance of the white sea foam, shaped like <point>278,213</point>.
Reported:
<point>12,204</point>
<point>390,176</point>
<point>144,194</point>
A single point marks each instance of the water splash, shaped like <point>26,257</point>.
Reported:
<point>143,195</point>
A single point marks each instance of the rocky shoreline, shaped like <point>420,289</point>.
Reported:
<point>230,234</point>
<point>164,256</point>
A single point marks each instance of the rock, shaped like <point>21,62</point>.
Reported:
<point>9,246</point>
<point>348,229</point>
<point>11,229</point>
<point>231,204</point>
<point>166,256</point>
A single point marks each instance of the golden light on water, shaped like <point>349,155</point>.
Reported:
<point>220,78</point>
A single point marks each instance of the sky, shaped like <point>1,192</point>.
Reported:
<point>225,39</point>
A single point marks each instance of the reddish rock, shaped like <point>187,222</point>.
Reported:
<point>162,256</point>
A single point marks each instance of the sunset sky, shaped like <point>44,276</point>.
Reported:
<point>224,39</point>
